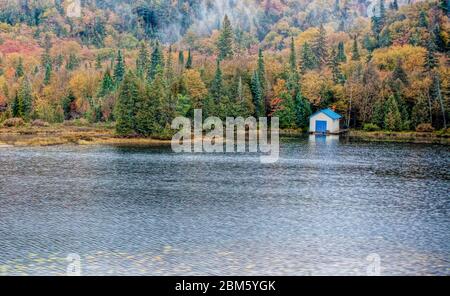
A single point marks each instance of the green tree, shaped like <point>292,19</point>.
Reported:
<point>431,61</point>
<point>399,73</point>
<point>302,111</point>
<point>189,60</point>
<point>423,21</point>
<point>436,94</point>
<point>338,77</point>
<point>341,57</point>
<point>156,62</point>
<point>319,46</point>
<point>216,89</point>
<point>24,99</point>
<point>67,104</point>
<point>287,111</point>
<point>48,74</point>
<point>107,85</point>
<point>420,113</point>
<point>225,41</point>
<point>355,50</point>
<point>308,59</point>
<point>142,60</point>
<point>119,69</point>
<point>258,95</point>
<point>392,118</point>
<point>379,111</point>
<point>19,69</point>
<point>126,105</point>
<point>73,62</point>
<point>293,75</point>
<point>181,58</point>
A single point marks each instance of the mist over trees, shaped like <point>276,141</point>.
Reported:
<point>381,64</point>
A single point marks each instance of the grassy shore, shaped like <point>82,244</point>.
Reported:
<point>104,134</point>
<point>437,137</point>
<point>60,134</point>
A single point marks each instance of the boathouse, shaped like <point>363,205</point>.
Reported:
<point>325,121</point>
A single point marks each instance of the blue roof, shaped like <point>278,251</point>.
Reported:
<point>328,112</point>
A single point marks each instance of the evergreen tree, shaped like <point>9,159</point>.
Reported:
<point>392,118</point>
<point>142,61</point>
<point>431,61</point>
<point>379,111</point>
<point>126,105</point>
<point>439,40</point>
<point>420,112</point>
<point>385,39</point>
<point>338,77</point>
<point>382,13</point>
<point>341,57</point>
<point>399,73</point>
<point>107,84</point>
<point>286,112</point>
<point>24,99</point>
<point>15,106</point>
<point>73,62</point>
<point>225,42</point>
<point>181,58</point>
<point>423,21</point>
<point>308,59</point>
<point>20,70</point>
<point>67,104</point>
<point>119,70</point>
<point>355,50</point>
<point>258,95</point>
<point>293,75</point>
<point>189,60</point>
<point>48,74</point>
<point>436,94</point>
<point>262,71</point>
<point>319,46</point>
<point>156,62</point>
<point>98,63</point>
<point>217,84</point>
<point>395,5</point>
<point>302,111</point>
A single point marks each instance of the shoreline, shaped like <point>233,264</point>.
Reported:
<point>55,135</point>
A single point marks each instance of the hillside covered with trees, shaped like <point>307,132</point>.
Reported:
<point>138,64</point>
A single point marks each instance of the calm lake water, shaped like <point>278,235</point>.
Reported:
<point>326,208</point>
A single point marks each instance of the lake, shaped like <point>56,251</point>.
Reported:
<point>327,207</point>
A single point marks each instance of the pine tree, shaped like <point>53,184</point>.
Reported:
<point>25,99</point>
<point>355,50</point>
<point>399,73</point>
<point>119,70</point>
<point>258,95</point>
<point>302,111</point>
<point>392,118</point>
<point>420,113</point>
<point>338,77</point>
<point>225,42</point>
<point>382,13</point>
<point>379,110</point>
<point>431,61</point>
<point>308,59</point>
<point>286,112</point>
<point>98,63</point>
<point>20,70</point>
<point>262,71</point>
<point>189,60</point>
<point>423,22</point>
<point>48,74</point>
<point>319,46</point>
<point>181,58</point>
<point>341,57</point>
<point>293,76</point>
<point>395,5</point>
<point>73,62</point>
<point>439,41</point>
<point>107,84</point>
<point>436,94</point>
<point>67,104</point>
<point>142,61</point>
<point>156,62</point>
<point>217,84</point>
<point>126,105</point>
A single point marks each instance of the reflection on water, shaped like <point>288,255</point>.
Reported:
<point>322,209</point>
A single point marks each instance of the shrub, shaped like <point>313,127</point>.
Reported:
<point>13,122</point>
<point>370,127</point>
<point>39,123</point>
<point>424,128</point>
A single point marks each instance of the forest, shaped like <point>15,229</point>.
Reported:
<point>383,65</point>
